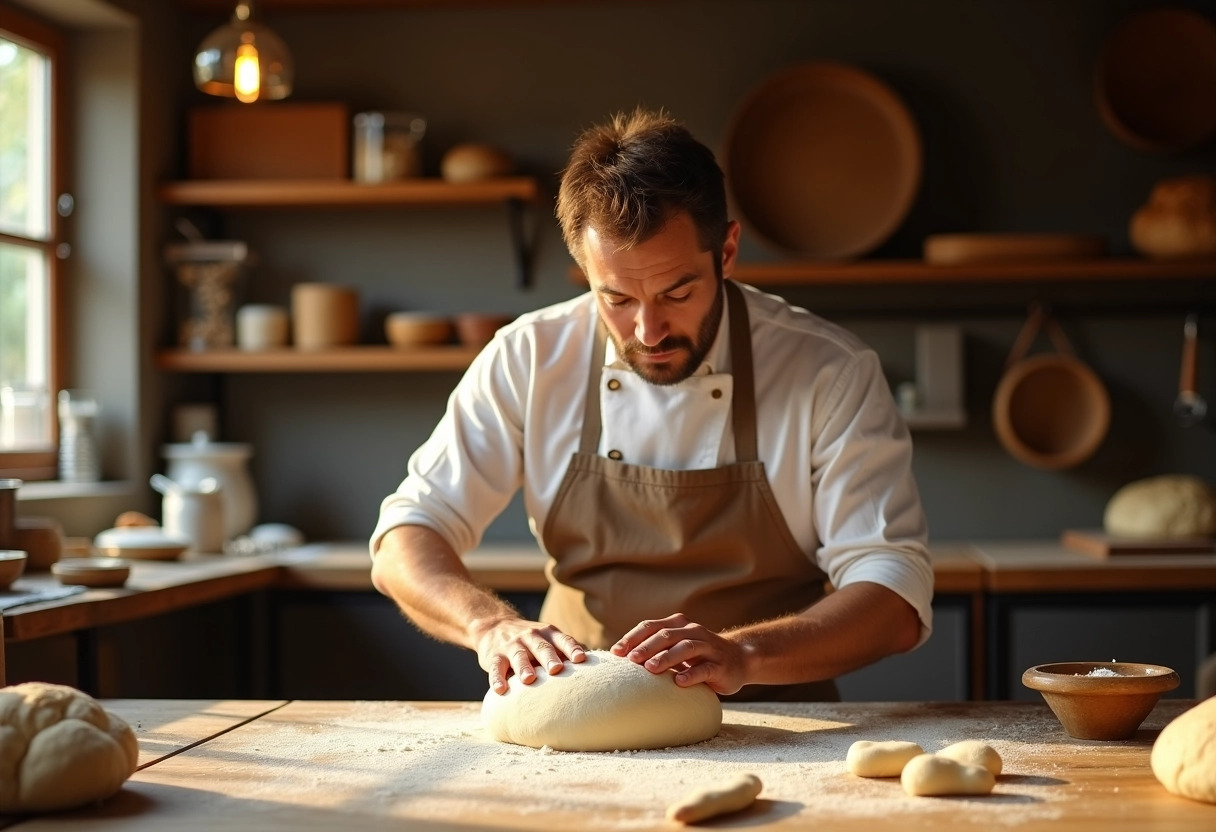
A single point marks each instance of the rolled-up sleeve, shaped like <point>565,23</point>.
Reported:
<point>867,509</point>
<point>465,474</point>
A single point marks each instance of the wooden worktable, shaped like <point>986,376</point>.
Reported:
<point>407,765</point>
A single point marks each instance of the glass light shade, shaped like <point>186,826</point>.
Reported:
<point>243,60</point>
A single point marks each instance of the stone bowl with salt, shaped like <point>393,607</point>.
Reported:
<point>1100,700</point>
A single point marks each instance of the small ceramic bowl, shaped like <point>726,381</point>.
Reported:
<point>93,572</point>
<point>1100,700</point>
<point>12,564</point>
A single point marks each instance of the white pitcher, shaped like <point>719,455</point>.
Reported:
<point>196,514</point>
<point>191,462</point>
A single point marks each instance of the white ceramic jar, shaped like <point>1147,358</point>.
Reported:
<point>189,463</point>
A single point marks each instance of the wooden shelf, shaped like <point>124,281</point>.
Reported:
<point>817,273</point>
<point>342,360</point>
<point>320,193</point>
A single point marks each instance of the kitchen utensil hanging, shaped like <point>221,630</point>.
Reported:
<point>1189,407</point>
<point>1050,411</point>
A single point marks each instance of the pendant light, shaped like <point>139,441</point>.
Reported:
<point>243,60</point>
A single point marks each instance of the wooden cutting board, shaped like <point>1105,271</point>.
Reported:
<point>951,249</point>
<point>1100,544</point>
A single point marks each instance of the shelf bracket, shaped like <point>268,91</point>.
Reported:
<point>524,246</point>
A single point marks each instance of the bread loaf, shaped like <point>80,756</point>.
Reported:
<point>1178,221</point>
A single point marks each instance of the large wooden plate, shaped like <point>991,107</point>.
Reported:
<point>823,161</point>
<point>1155,82</point>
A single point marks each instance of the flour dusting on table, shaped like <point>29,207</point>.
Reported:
<point>376,757</point>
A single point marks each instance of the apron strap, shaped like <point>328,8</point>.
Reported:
<point>590,441</point>
<point>743,399</point>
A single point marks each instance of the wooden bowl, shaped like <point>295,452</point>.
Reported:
<point>1051,411</point>
<point>1110,706</point>
<point>93,572</point>
<point>416,329</point>
<point>42,540</point>
<point>12,564</point>
<point>1155,84</point>
<point>823,161</point>
<point>476,329</point>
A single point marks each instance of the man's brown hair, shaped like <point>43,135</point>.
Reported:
<point>627,177</point>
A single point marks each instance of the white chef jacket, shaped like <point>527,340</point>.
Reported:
<point>837,454</point>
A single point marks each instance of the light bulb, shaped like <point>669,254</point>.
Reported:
<point>246,73</point>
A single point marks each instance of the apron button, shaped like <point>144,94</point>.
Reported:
<point>613,384</point>
<point>716,393</point>
<point>615,455</point>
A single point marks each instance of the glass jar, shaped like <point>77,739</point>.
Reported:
<point>388,146</point>
<point>79,455</point>
<point>209,273</point>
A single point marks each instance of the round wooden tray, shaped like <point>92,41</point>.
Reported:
<point>823,161</point>
<point>1155,83</point>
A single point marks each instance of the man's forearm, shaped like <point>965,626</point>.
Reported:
<point>848,629</point>
<point>426,578</point>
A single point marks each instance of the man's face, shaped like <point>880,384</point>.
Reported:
<point>662,299</point>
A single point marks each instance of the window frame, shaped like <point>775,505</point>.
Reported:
<point>44,38</point>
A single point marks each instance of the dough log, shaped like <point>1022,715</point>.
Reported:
<point>932,776</point>
<point>719,800</point>
<point>880,759</point>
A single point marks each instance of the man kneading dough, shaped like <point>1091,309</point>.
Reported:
<point>697,458</point>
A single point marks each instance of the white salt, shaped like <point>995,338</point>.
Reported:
<point>1100,671</point>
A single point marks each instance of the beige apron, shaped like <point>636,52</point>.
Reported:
<point>628,542</point>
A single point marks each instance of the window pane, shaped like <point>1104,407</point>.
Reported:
<point>24,141</point>
<point>24,345</point>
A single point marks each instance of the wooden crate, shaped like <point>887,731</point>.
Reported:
<point>270,141</point>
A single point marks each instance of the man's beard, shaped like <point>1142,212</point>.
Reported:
<point>676,370</point>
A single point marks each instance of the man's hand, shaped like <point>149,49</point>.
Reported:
<point>696,653</point>
<point>506,645</point>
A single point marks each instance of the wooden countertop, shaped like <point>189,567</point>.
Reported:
<point>1039,566</point>
<point>428,765</point>
<point>962,568</point>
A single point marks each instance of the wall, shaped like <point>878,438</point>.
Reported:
<point>1013,142</point>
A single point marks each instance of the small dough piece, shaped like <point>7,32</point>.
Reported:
<point>930,775</point>
<point>60,749</point>
<point>880,759</point>
<point>1184,753</point>
<point>974,753</point>
<point>606,703</point>
<point>710,803</point>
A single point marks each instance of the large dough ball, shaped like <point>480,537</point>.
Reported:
<point>59,749</point>
<point>1184,754</point>
<point>1165,506</point>
<point>607,703</point>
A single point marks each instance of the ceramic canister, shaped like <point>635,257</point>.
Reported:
<point>324,315</point>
